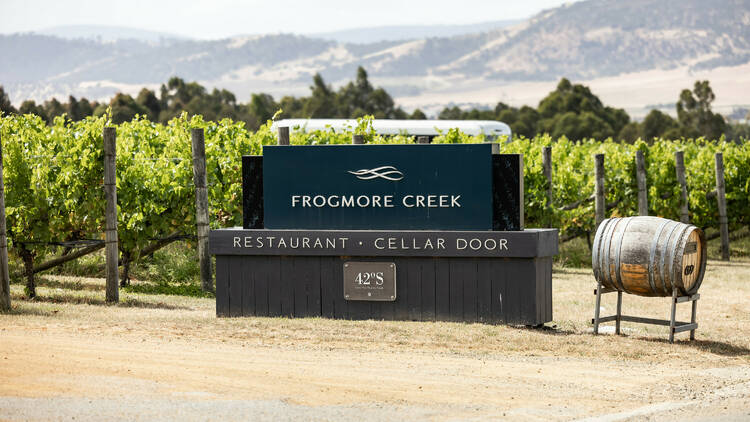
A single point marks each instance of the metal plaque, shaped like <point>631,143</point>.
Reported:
<point>374,281</point>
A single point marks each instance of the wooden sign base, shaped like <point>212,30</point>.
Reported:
<point>493,277</point>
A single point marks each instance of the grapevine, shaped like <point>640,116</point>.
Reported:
<point>53,178</point>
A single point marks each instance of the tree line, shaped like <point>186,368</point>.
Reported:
<point>571,110</point>
<point>355,99</point>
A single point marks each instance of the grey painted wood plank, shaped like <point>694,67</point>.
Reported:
<point>539,293</point>
<point>484,290</point>
<point>548,289</point>
<point>428,289</point>
<point>260,289</point>
<point>414,289</point>
<point>341,305</point>
<point>401,305</point>
<point>469,267</point>
<point>547,292</point>
<point>359,309</point>
<point>222,286</point>
<point>286,289</point>
<point>499,290</point>
<point>376,310</point>
<point>309,266</point>
<point>235,286</point>
<point>456,290</point>
<point>314,303</point>
<point>388,309</point>
<point>526,300</point>
<point>328,286</point>
<point>299,281</point>
<point>250,272</point>
<point>272,266</point>
<point>516,291</point>
<point>442,290</point>
<point>513,292</point>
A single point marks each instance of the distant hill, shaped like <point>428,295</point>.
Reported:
<point>409,32</point>
<point>107,33</point>
<point>593,40</point>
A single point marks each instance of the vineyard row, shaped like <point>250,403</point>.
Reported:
<point>54,180</point>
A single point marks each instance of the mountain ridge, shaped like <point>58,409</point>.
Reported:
<point>107,33</point>
<point>586,40</point>
<point>375,34</point>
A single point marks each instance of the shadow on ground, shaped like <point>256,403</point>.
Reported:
<point>69,285</point>
<point>715,347</point>
<point>17,308</point>
<point>96,301</point>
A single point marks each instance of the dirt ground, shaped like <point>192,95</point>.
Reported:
<point>66,356</point>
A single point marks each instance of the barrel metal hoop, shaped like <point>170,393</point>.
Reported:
<point>672,247</point>
<point>605,252</point>
<point>619,251</point>
<point>597,244</point>
<point>652,255</point>
<point>608,236</point>
<point>662,269</point>
<point>704,255</point>
<point>678,241</point>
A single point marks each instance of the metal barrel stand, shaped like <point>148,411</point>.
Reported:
<point>674,326</point>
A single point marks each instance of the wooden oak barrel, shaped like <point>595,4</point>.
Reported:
<point>649,256</point>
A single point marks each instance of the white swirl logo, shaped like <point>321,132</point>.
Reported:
<point>384,172</point>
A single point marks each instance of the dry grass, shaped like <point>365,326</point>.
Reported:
<point>69,304</point>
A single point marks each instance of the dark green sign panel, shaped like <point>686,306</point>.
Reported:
<point>358,187</point>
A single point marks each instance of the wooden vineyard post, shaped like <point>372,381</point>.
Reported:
<point>722,200</point>
<point>547,165</point>
<point>4,274</point>
<point>358,139</point>
<point>201,207</point>
<point>110,192</point>
<point>640,169</point>
<point>423,139</point>
<point>600,204</point>
<point>284,135</point>
<point>679,164</point>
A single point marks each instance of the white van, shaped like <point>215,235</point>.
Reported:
<point>431,128</point>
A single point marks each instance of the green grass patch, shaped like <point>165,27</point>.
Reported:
<point>172,270</point>
<point>176,289</point>
<point>176,263</point>
<point>574,254</point>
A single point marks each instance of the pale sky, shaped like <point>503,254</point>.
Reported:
<point>224,18</point>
